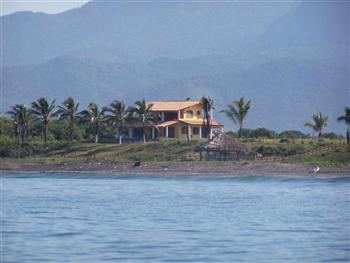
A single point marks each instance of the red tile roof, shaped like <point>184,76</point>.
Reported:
<point>172,105</point>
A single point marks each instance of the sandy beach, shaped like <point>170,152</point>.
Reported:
<point>185,168</point>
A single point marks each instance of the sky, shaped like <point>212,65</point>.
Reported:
<point>46,6</point>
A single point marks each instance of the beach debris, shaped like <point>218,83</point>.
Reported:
<point>137,164</point>
<point>316,169</point>
<point>258,156</point>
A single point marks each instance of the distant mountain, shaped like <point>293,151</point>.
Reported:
<point>284,92</point>
<point>290,58</point>
<point>312,24</point>
<point>122,31</point>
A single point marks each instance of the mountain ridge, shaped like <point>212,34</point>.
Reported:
<point>87,78</point>
<point>174,51</point>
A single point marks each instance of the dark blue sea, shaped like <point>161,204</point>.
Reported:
<point>115,218</point>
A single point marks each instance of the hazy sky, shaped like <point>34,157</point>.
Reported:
<point>47,6</point>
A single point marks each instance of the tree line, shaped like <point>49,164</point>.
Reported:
<point>238,110</point>
<point>117,115</point>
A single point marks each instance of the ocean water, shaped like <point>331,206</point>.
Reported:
<point>116,218</point>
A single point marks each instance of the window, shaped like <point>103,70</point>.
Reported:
<point>184,130</point>
<point>189,114</point>
<point>199,113</point>
<point>195,131</point>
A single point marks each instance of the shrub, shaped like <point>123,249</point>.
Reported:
<point>279,151</point>
<point>284,140</point>
<point>6,127</point>
<point>7,146</point>
<point>292,134</point>
<point>330,135</point>
<point>256,133</point>
<point>263,132</point>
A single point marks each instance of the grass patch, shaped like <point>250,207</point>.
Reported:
<point>335,158</point>
<point>173,150</point>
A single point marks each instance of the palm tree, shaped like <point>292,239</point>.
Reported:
<point>346,119</point>
<point>318,123</point>
<point>142,113</point>
<point>15,120</point>
<point>95,116</point>
<point>24,121</point>
<point>44,111</point>
<point>69,111</point>
<point>118,115</point>
<point>237,112</point>
<point>21,117</point>
<point>208,106</point>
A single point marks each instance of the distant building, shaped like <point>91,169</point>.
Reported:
<point>178,119</point>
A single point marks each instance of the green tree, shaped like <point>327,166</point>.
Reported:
<point>237,111</point>
<point>142,113</point>
<point>69,111</point>
<point>21,118</point>
<point>118,115</point>
<point>208,106</point>
<point>95,116</point>
<point>318,123</point>
<point>14,115</point>
<point>6,126</point>
<point>346,119</point>
<point>44,111</point>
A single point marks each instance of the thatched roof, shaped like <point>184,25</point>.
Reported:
<point>224,143</point>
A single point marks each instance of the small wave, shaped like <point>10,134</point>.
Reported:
<point>338,179</point>
<point>65,234</point>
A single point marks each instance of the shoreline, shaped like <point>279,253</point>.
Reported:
<point>185,168</point>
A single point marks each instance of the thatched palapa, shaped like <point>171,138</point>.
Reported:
<point>223,147</point>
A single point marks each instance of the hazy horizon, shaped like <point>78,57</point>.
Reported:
<point>49,7</point>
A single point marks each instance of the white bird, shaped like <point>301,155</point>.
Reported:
<point>316,169</point>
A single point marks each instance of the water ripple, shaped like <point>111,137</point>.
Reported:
<point>127,218</point>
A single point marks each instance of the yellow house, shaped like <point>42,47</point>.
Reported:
<point>179,119</point>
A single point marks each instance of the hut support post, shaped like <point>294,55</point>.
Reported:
<point>130,132</point>
<point>153,133</point>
